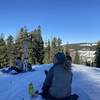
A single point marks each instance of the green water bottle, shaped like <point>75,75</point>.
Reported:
<point>31,89</point>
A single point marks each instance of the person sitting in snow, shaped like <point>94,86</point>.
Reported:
<point>57,85</point>
<point>68,62</point>
<point>19,66</point>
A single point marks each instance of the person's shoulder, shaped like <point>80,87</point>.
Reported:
<point>51,68</point>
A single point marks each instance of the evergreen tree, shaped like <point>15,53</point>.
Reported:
<point>3,54</point>
<point>37,46</point>
<point>77,58</point>
<point>59,47</point>
<point>47,53</point>
<point>40,46</point>
<point>53,47</point>
<point>11,54</point>
<point>19,44</point>
<point>31,49</point>
<point>97,57</point>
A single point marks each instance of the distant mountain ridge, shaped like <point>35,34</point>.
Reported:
<point>80,46</point>
<point>86,51</point>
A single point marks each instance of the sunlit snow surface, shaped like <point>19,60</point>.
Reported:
<point>86,83</point>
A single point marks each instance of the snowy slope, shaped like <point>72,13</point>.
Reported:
<point>88,80</point>
<point>86,83</point>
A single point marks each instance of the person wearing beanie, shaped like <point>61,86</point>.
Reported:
<point>68,62</point>
<point>59,58</point>
<point>57,85</point>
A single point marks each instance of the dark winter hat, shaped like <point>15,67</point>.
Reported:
<point>19,58</point>
<point>68,57</point>
<point>60,57</point>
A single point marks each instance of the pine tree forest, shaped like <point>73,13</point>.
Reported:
<point>39,51</point>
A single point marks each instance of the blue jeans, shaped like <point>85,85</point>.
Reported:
<point>16,69</point>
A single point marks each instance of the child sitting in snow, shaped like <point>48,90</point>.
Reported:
<point>68,62</point>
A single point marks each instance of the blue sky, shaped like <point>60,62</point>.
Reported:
<point>71,20</point>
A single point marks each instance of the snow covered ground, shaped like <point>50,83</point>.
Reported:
<point>86,83</point>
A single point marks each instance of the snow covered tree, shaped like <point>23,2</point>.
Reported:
<point>97,57</point>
